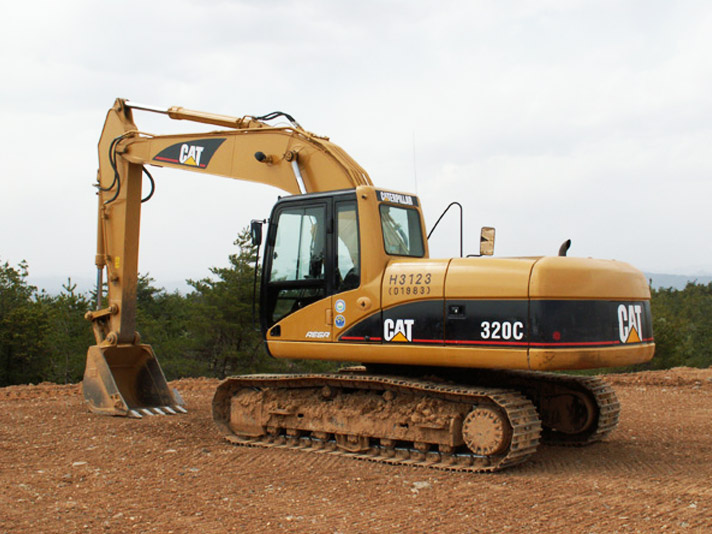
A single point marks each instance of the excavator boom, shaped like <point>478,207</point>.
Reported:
<point>123,376</point>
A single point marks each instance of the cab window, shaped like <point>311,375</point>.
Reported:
<point>299,246</point>
<point>402,234</point>
<point>348,263</point>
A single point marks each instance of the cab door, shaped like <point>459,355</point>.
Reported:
<point>297,266</point>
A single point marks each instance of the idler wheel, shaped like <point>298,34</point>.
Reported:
<point>570,413</point>
<point>486,431</point>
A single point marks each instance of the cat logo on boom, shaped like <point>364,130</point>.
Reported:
<point>191,153</point>
<point>400,330</point>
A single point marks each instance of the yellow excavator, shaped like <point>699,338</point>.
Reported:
<point>455,353</point>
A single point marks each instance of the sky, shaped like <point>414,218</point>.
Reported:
<point>548,119</point>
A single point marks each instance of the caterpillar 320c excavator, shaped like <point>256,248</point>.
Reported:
<point>453,352</point>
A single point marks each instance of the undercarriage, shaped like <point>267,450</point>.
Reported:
<point>476,421</point>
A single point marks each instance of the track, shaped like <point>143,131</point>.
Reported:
<point>603,397</point>
<point>502,430</point>
<point>589,403</point>
<point>574,410</point>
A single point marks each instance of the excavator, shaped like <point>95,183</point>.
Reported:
<point>456,357</point>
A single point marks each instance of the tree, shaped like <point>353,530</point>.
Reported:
<point>167,321</point>
<point>69,335</point>
<point>682,325</point>
<point>222,326</point>
<point>24,325</point>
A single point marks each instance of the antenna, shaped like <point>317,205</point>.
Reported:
<point>415,171</point>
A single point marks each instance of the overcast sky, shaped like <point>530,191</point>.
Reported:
<point>548,119</point>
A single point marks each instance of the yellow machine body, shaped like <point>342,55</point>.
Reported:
<point>478,312</point>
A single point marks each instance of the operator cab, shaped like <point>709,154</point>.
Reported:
<point>313,247</point>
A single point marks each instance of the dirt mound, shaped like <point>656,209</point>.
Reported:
<point>43,390</point>
<point>63,469</point>
<point>676,377</point>
<point>195,384</point>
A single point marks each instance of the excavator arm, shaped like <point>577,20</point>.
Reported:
<point>123,376</point>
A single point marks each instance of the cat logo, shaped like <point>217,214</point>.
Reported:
<point>400,330</point>
<point>191,153</point>
<point>630,323</point>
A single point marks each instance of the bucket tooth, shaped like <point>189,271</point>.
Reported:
<point>180,409</point>
<point>147,411</point>
<point>178,397</point>
<point>169,410</point>
<point>159,411</point>
<point>135,414</point>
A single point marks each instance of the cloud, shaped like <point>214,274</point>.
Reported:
<point>552,119</point>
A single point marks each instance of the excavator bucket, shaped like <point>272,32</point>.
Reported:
<point>127,380</point>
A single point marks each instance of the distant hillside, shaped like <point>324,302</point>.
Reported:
<point>676,281</point>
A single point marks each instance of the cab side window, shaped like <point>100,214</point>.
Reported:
<point>402,235</point>
<point>348,258</point>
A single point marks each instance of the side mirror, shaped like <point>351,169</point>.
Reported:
<point>256,232</point>
<point>487,241</point>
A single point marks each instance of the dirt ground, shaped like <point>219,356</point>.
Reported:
<point>63,469</point>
